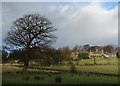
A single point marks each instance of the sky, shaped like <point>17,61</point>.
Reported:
<point>77,23</point>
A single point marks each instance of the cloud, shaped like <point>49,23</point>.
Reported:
<point>77,23</point>
<point>91,24</point>
<point>0,25</point>
<point>59,0</point>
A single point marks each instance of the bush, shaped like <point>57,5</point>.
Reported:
<point>85,56</point>
<point>58,79</point>
<point>25,77</point>
<point>73,69</point>
<point>82,55</point>
<point>118,54</point>
<point>39,77</point>
<point>70,63</point>
<point>95,61</point>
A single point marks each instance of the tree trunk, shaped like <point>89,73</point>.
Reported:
<point>25,68</point>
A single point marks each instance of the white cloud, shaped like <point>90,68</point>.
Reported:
<point>0,25</point>
<point>76,23</point>
<point>91,24</point>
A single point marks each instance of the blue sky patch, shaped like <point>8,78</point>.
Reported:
<point>109,5</point>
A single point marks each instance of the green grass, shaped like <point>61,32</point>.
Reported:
<point>99,61</point>
<point>112,69</point>
<point>66,79</point>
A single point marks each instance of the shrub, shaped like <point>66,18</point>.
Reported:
<point>70,63</point>
<point>25,77</point>
<point>82,55</point>
<point>73,69</point>
<point>39,77</point>
<point>85,56</point>
<point>58,79</point>
<point>95,61</point>
<point>50,75</point>
<point>17,71</point>
<point>118,54</point>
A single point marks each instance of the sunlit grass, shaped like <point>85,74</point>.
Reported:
<point>11,77</point>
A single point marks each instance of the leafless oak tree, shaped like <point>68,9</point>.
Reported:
<point>29,31</point>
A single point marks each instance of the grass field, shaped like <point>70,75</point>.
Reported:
<point>11,77</point>
<point>112,69</point>
<point>101,67</point>
<point>98,61</point>
<point>14,78</point>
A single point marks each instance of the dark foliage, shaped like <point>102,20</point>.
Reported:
<point>58,79</point>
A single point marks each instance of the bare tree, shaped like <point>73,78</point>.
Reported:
<point>29,31</point>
